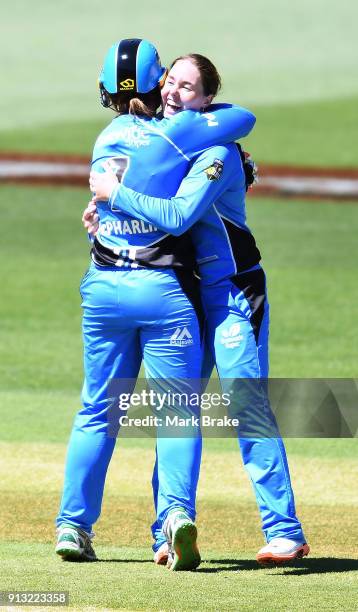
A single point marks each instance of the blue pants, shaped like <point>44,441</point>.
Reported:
<point>129,315</point>
<point>237,313</point>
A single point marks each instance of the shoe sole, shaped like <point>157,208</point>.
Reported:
<point>270,559</point>
<point>186,553</point>
<point>69,554</point>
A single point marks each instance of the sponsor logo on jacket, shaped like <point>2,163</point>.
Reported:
<point>132,136</point>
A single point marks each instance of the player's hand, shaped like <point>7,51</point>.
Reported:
<point>90,218</point>
<point>103,183</point>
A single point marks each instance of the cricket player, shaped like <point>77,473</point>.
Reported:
<point>139,297</point>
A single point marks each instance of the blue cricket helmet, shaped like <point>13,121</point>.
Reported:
<point>133,65</point>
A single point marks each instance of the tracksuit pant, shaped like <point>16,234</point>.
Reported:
<point>130,314</point>
<point>237,328</point>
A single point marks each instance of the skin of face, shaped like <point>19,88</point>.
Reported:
<point>183,89</point>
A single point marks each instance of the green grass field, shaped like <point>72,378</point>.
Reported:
<point>293,64</point>
<point>269,53</point>
<point>228,579</point>
<point>309,249</point>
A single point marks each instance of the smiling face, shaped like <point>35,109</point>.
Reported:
<point>183,89</point>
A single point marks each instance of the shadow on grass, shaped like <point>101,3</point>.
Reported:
<point>125,561</point>
<point>92,561</point>
<point>323,565</point>
<point>299,567</point>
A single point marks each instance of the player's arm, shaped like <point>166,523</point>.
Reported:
<point>192,132</point>
<point>210,175</point>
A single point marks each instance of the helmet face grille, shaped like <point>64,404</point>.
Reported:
<point>126,64</point>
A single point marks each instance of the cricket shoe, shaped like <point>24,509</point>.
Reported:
<point>282,550</point>
<point>74,544</point>
<point>181,534</point>
<point>161,555</point>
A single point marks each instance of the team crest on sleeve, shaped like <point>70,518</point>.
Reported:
<point>214,172</point>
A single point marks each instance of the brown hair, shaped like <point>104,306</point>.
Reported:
<point>127,102</point>
<point>210,77</point>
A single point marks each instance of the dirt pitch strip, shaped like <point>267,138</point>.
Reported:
<point>274,180</point>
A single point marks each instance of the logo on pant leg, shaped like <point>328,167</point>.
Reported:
<point>181,337</point>
<point>231,338</point>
